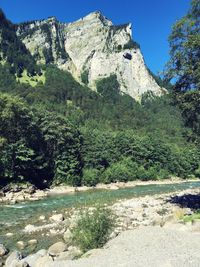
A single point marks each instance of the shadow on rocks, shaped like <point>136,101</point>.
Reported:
<point>187,201</point>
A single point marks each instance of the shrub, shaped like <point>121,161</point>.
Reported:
<point>93,229</point>
<point>84,77</point>
<point>90,177</point>
<point>147,174</point>
<point>122,171</point>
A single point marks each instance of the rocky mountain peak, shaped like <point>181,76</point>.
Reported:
<point>93,48</point>
<point>98,17</point>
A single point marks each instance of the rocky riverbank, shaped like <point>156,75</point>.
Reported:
<point>158,211</point>
<point>19,193</point>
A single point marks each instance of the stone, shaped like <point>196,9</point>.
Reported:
<point>53,232</point>
<point>42,252</point>
<point>9,234</point>
<point>21,244</point>
<point>57,248</point>
<point>3,250</point>
<point>29,228</point>
<point>67,236</point>
<point>69,255</point>
<point>42,218</point>
<point>15,256</point>
<point>32,242</point>
<point>43,261</point>
<point>32,259</point>
<point>57,218</point>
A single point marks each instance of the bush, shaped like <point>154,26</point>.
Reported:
<point>147,174</point>
<point>90,177</point>
<point>93,229</point>
<point>122,171</point>
<point>84,77</point>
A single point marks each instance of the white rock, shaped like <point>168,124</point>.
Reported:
<point>42,218</point>
<point>9,234</point>
<point>57,218</point>
<point>32,242</point>
<point>29,228</point>
<point>21,244</point>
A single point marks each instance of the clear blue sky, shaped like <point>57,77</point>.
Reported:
<point>151,19</point>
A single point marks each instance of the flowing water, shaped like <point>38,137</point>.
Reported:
<point>13,218</point>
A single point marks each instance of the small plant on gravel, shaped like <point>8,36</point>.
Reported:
<point>93,229</point>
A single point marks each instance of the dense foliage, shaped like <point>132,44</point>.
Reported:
<point>37,147</point>
<point>117,139</point>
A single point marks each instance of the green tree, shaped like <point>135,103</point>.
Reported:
<point>184,64</point>
<point>62,148</point>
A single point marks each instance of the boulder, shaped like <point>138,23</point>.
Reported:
<point>42,252</point>
<point>57,218</point>
<point>15,256</point>
<point>43,261</point>
<point>18,263</point>
<point>32,259</point>
<point>57,248</point>
<point>3,250</point>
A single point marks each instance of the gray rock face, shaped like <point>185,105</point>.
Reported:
<point>92,46</point>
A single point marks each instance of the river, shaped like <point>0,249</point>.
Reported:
<point>13,218</point>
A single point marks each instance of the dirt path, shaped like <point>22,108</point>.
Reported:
<point>144,247</point>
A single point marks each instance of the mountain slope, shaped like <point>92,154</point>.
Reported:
<point>13,51</point>
<point>91,48</point>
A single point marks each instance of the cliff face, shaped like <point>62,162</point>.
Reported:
<point>91,48</point>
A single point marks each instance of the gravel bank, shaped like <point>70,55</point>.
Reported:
<point>144,247</point>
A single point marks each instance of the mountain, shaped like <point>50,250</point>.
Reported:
<point>91,49</point>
